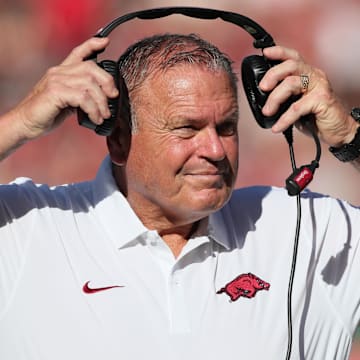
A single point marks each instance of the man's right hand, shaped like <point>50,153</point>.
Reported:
<point>74,83</point>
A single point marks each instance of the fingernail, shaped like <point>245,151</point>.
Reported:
<point>101,38</point>
<point>275,129</point>
<point>262,85</point>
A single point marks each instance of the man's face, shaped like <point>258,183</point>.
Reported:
<point>183,158</point>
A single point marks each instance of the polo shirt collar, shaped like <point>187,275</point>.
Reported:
<point>116,215</point>
<point>208,228</point>
<point>122,224</point>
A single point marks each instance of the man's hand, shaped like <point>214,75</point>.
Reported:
<point>334,124</point>
<point>74,83</point>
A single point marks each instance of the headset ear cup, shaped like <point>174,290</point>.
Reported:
<point>108,125</point>
<point>253,69</point>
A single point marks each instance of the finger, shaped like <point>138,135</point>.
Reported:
<point>297,109</point>
<point>87,82</point>
<point>289,87</point>
<point>279,72</point>
<point>291,63</point>
<point>85,76</point>
<point>281,53</point>
<point>49,104</point>
<point>86,102</point>
<point>93,90</point>
<point>102,78</point>
<point>96,92</point>
<point>85,49</point>
<point>88,73</point>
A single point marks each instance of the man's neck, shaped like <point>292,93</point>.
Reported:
<point>177,238</point>
<point>175,232</point>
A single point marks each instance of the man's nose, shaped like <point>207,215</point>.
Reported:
<point>212,146</point>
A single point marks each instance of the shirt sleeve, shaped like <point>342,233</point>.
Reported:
<point>338,257</point>
<point>21,203</point>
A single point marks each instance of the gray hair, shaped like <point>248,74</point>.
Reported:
<point>162,52</point>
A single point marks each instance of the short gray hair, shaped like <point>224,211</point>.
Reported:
<point>161,52</point>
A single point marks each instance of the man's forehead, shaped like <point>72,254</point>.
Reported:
<point>182,75</point>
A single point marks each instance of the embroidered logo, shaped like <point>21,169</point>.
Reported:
<point>90,290</point>
<point>245,285</point>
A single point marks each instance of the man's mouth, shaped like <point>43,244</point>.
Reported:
<point>206,178</point>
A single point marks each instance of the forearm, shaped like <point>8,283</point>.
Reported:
<point>12,135</point>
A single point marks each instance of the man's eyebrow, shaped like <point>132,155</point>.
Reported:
<point>233,116</point>
<point>186,118</point>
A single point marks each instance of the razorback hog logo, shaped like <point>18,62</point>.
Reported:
<point>245,285</point>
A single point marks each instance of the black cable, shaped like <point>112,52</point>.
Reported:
<point>291,278</point>
<point>288,133</point>
<point>314,164</point>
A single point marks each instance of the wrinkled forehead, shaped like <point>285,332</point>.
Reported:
<point>186,91</point>
<point>184,80</point>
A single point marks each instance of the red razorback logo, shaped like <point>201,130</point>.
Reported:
<point>245,285</point>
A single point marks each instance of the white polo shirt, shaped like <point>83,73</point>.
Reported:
<point>82,278</point>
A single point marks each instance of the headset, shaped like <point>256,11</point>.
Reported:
<point>253,69</point>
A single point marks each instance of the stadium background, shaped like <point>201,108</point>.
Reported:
<point>36,34</point>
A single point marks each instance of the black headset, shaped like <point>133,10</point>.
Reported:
<point>253,69</point>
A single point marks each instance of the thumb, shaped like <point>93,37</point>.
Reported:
<point>84,50</point>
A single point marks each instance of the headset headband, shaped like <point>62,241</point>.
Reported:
<point>262,38</point>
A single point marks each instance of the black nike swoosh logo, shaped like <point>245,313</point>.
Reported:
<point>90,290</point>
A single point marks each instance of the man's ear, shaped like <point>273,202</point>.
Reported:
<point>120,139</point>
<point>118,144</point>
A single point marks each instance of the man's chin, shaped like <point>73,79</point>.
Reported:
<point>209,200</point>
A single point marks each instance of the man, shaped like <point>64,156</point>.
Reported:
<point>158,257</point>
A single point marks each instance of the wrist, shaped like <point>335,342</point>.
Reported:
<point>354,115</point>
<point>349,149</point>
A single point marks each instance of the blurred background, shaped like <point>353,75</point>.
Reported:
<point>37,34</point>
